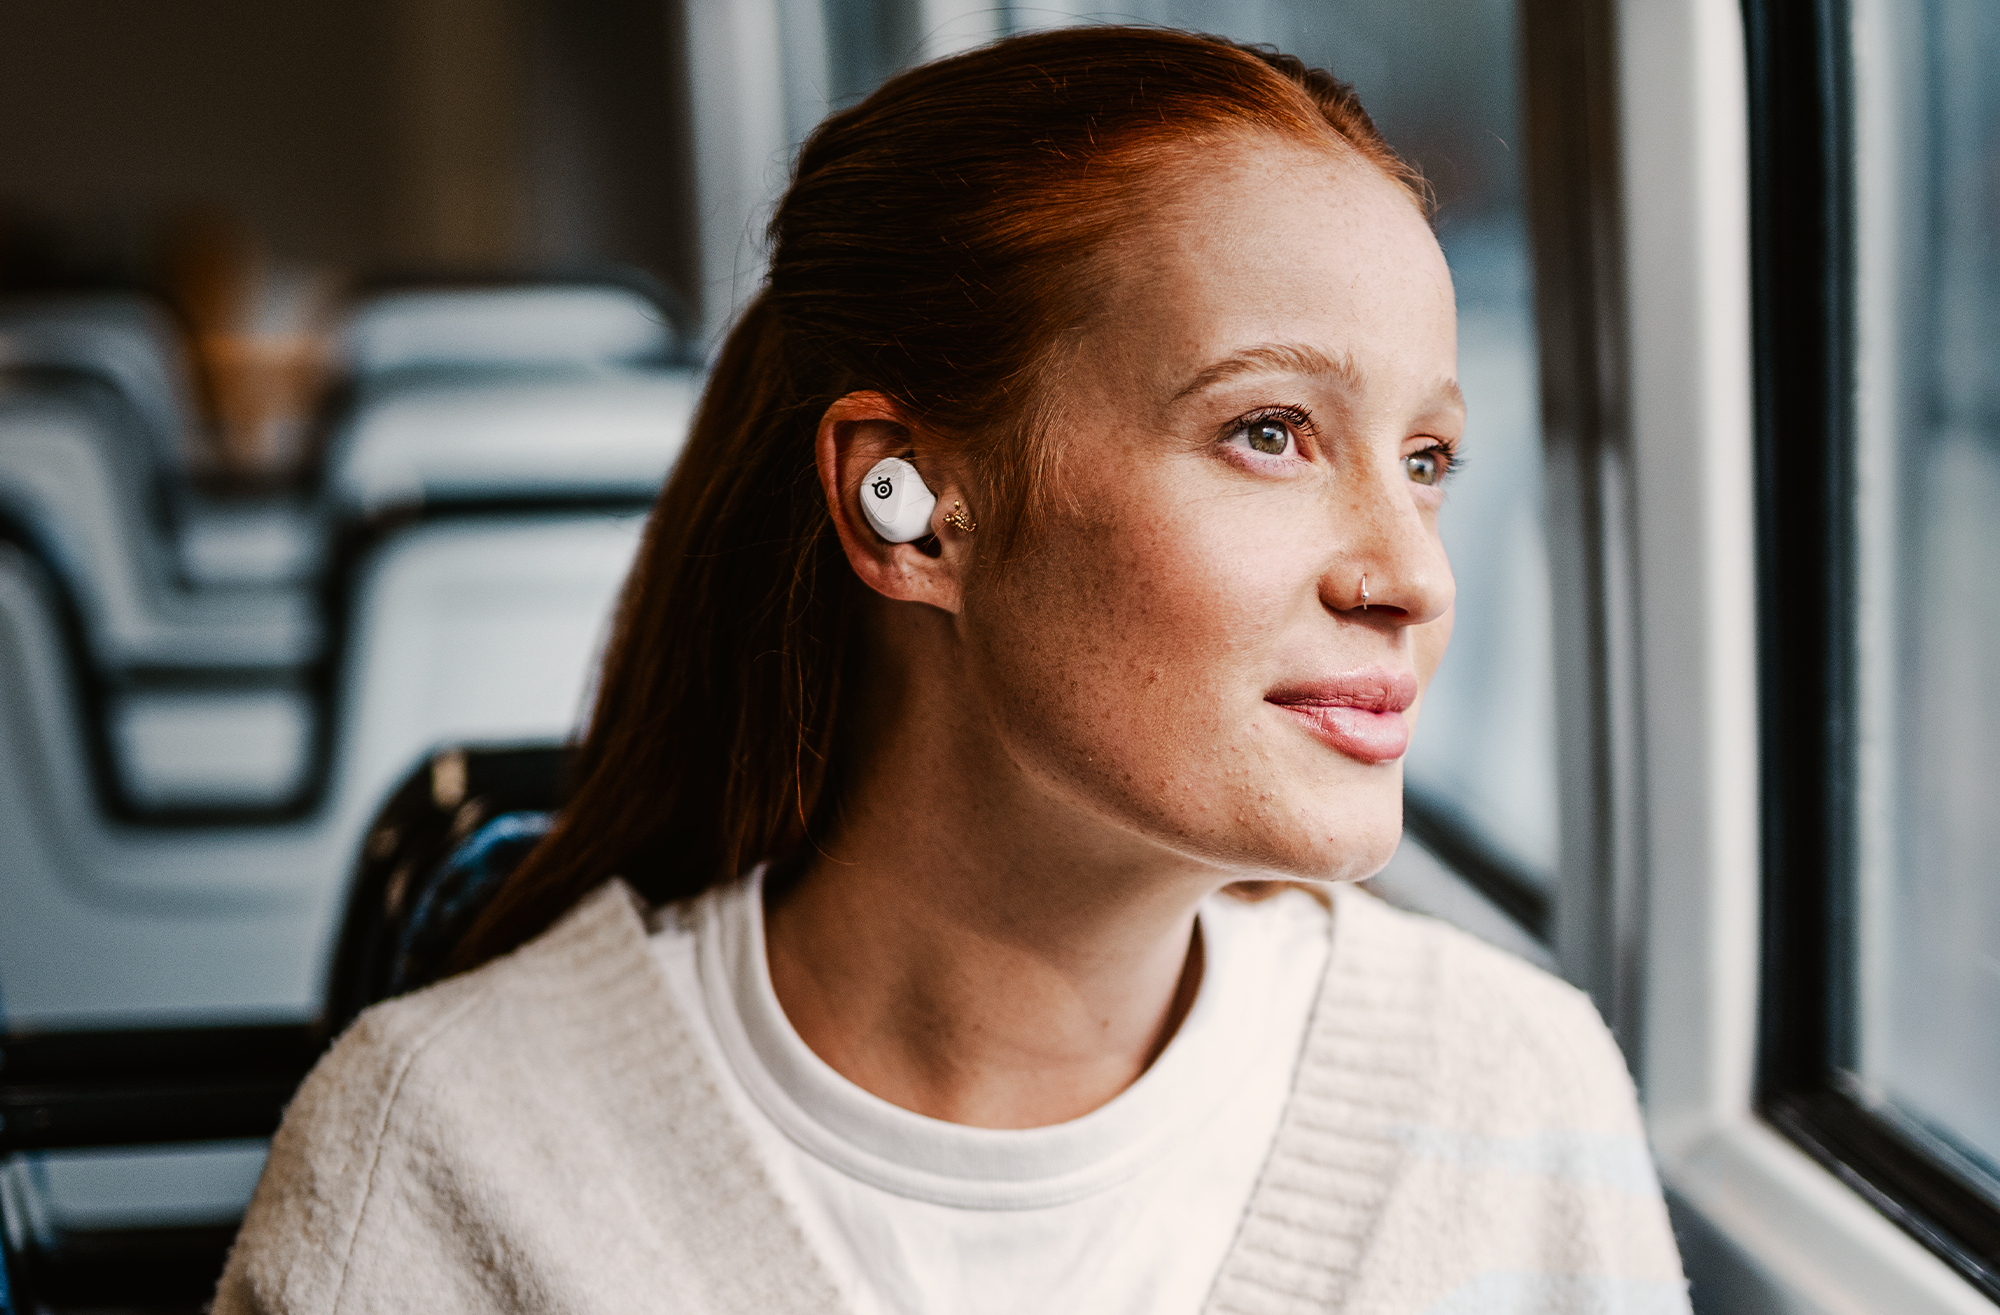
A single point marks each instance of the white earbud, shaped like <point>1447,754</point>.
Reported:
<point>896,502</point>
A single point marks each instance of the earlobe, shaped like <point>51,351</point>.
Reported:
<point>870,464</point>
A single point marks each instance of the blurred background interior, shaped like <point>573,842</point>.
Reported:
<point>343,344</point>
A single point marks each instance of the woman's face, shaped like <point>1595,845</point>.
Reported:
<point>1259,415</point>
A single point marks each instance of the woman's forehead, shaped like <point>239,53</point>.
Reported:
<point>1275,244</point>
<point>1260,205</point>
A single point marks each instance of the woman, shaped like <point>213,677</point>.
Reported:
<point>917,938</point>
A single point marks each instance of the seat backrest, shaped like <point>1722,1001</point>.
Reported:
<point>531,436</point>
<point>68,480</point>
<point>434,857</point>
<point>462,630</point>
<point>80,480</point>
<point>551,324</point>
<point>125,339</point>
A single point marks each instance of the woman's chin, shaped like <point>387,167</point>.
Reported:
<point>1348,845</point>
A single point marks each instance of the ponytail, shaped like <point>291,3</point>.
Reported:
<point>708,747</point>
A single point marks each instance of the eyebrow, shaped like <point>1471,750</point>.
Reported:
<point>1270,358</point>
<point>1296,358</point>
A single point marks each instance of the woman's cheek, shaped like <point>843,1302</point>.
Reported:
<point>1211,610</point>
<point>1247,557</point>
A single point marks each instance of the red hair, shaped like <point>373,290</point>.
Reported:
<point>935,246</point>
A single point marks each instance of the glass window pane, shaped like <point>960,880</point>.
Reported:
<point>1928,619</point>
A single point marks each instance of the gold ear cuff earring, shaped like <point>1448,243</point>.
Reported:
<point>958,519</point>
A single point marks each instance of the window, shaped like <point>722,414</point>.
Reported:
<point>1877,224</point>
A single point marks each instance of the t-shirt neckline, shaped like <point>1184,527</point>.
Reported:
<point>928,1159</point>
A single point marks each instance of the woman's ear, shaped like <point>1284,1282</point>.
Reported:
<point>856,432</point>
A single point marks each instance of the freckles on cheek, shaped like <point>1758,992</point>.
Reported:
<point>1194,673</point>
<point>1135,642</point>
<point>1192,607</point>
<point>1100,650</point>
<point>1191,620</point>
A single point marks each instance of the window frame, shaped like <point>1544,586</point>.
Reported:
<point>1805,326</point>
<point>1764,1225</point>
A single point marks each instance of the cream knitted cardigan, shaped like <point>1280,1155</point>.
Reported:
<point>543,1135</point>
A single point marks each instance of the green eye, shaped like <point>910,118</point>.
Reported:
<point>1268,436</point>
<point>1427,466</point>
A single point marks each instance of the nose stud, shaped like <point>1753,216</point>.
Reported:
<point>1364,591</point>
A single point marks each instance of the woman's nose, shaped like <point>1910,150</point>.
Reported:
<point>1391,566</point>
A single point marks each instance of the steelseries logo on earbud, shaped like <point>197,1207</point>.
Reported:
<point>883,488</point>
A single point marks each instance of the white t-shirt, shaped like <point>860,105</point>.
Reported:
<point>1128,1210</point>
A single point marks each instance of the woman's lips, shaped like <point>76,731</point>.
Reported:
<point>1359,713</point>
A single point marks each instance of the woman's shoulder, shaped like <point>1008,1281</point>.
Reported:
<point>544,1124</point>
<point>529,999</point>
<point>1494,1022</point>
<point>1488,1106</point>
<point>471,1077</point>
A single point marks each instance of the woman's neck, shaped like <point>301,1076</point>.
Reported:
<point>971,950</point>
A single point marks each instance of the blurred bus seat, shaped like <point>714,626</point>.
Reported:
<point>126,339</point>
<point>75,476</point>
<point>539,392</point>
<point>587,434</point>
<point>475,628</point>
<point>528,325</point>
